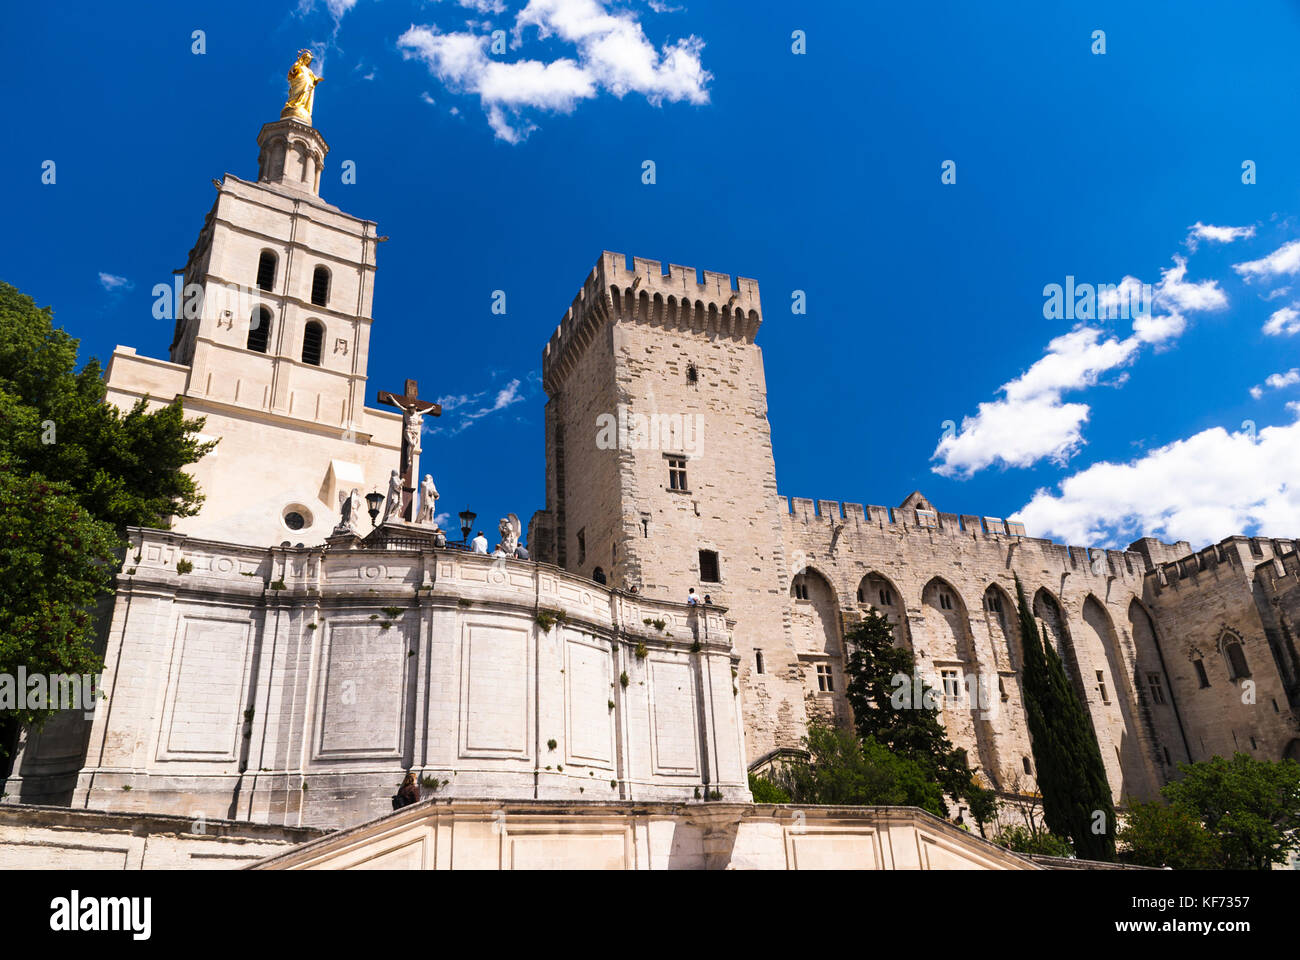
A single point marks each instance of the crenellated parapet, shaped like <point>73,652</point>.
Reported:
<point>1244,554</point>
<point>681,299</point>
<point>934,525</point>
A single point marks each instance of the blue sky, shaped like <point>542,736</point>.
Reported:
<point>924,360</point>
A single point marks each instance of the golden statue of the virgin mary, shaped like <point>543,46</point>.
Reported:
<point>302,89</point>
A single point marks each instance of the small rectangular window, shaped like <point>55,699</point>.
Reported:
<point>677,473</point>
<point>1200,673</point>
<point>951,685</point>
<point>758,661</point>
<point>1101,686</point>
<point>886,598</point>
<point>945,601</point>
<point>1025,762</point>
<point>1157,688</point>
<point>709,567</point>
<point>825,681</point>
<point>800,588</point>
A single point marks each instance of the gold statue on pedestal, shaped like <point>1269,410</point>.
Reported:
<point>302,89</point>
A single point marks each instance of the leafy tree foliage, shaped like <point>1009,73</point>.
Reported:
<point>56,562</point>
<point>125,468</point>
<point>1076,795</point>
<point>887,711</point>
<point>766,791</point>
<point>842,769</point>
<point>74,473</point>
<point>1249,807</point>
<point>1160,835</point>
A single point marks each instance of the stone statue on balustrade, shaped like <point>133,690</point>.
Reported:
<point>350,513</point>
<point>393,505</point>
<point>428,501</point>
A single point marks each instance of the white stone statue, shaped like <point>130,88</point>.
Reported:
<point>351,513</point>
<point>393,505</point>
<point>509,528</point>
<point>414,426</point>
<point>428,500</point>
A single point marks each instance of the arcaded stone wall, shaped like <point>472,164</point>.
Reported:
<point>952,588</point>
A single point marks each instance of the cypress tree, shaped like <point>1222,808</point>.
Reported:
<point>1071,777</point>
<point>894,707</point>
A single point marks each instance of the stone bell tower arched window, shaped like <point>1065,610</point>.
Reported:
<point>320,286</point>
<point>266,270</point>
<point>259,329</point>
<point>312,335</point>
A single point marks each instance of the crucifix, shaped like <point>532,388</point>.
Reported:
<point>413,411</point>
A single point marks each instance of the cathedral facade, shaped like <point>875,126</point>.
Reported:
<point>680,623</point>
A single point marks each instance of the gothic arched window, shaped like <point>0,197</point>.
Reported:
<point>259,329</point>
<point>266,271</point>
<point>312,336</point>
<point>320,286</point>
<point>1237,667</point>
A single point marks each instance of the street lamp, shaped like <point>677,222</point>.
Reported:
<point>374,499</point>
<point>467,518</point>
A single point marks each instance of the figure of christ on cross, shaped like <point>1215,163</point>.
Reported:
<point>413,411</point>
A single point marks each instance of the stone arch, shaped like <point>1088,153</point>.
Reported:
<point>947,622</point>
<point>1053,630</point>
<point>878,591</point>
<point>815,612</point>
<point>1003,627</point>
<point>950,646</point>
<point>1117,710</point>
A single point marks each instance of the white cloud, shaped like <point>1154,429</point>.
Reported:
<point>1200,489</point>
<point>1174,293</point>
<point>1283,322</point>
<point>606,52</point>
<point>1285,260</point>
<point>472,407</point>
<point>110,282</point>
<point>1031,421</point>
<point>426,98</point>
<point>1204,231</point>
<point>336,8</point>
<point>1279,380</point>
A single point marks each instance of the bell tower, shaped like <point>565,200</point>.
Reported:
<point>293,154</point>
<point>272,315</point>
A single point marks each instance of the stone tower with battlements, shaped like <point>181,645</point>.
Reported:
<point>659,469</point>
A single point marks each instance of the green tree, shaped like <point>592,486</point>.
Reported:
<point>766,790</point>
<point>1251,807</point>
<point>76,472</point>
<point>889,710</point>
<point>841,769</point>
<point>1076,795</point>
<point>1161,835</point>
